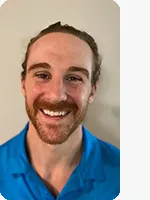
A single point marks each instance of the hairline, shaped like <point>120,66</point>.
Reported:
<point>45,34</point>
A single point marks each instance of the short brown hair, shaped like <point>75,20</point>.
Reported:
<point>57,27</point>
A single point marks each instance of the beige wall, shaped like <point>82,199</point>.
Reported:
<point>21,19</point>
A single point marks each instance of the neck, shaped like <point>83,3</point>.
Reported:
<point>46,158</point>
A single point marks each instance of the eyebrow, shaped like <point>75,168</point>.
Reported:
<point>79,69</point>
<point>70,69</point>
<point>38,65</point>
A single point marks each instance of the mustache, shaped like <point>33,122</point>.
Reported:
<point>61,106</point>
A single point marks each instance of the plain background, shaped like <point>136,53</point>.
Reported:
<point>22,19</point>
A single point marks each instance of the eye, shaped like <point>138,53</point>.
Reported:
<point>73,79</point>
<point>42,76</point>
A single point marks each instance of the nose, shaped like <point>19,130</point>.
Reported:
<point>56,92</point>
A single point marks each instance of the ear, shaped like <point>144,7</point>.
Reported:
<point>23,86</point>
<point>92,94</point>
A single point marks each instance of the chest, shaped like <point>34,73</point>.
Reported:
<point>56,183</point>
<point>31,187</point>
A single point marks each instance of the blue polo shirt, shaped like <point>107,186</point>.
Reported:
<point>97,177</point>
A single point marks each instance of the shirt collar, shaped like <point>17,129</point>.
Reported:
<point>91,165</point>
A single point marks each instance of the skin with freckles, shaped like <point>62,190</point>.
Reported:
<point>58,79</point>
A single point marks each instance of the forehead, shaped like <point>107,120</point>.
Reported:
<point>60,47</point>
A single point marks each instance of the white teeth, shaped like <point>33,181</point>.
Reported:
<point>51,113</point>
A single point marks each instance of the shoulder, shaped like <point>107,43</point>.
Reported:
<point>11,147</point>
<point>106,159</point>
<point>110,156</point>
<point>111,166</point>
<point>111,160</point>
<point>10,143</point>
<point>109,153</point>
<point>7,151</point>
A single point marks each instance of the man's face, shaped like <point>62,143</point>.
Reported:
<point>57,87</point>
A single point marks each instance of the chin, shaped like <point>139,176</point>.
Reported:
<point>54,134</point>
<point>58,131</point>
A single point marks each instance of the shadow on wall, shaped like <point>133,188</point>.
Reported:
<point>103,117</point>
<point>104,122</point>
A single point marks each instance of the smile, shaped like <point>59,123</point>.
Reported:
<point>54,114</point>
<point>57,115</point>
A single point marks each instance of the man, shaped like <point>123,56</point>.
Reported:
<point>54,156</point>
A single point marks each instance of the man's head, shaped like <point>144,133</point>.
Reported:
<point>60,73</point>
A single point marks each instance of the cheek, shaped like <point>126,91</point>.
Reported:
<point>79,95</point>
<point>32,92</point>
